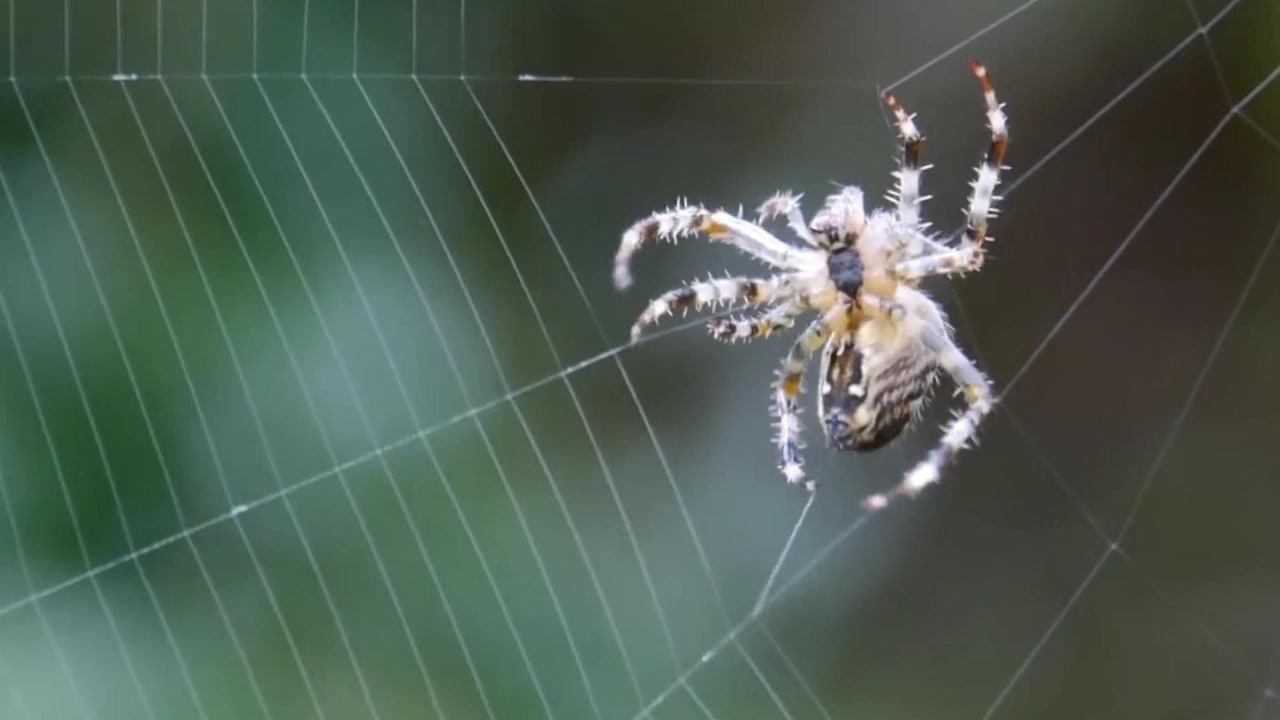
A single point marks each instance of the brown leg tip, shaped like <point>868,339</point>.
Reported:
<point>980,72</point>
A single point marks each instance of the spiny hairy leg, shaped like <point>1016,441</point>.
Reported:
<point>969,254</point>
<point>701,293</point>
<point>982,201</point>
<point>760,325</point>
<point>785,204</point>
<point>874,305</point>
<point>956,435</point>
<point>948,262</point>
<point>907,192</point>
<point>790,384</point>
<point>685,220</point>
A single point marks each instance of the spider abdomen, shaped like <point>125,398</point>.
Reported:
<point>869,402</point>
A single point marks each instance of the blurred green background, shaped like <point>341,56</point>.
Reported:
<point>315,400</point>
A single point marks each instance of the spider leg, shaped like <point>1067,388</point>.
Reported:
<point>873,304</point>
<point>957,434</point>
<point>968,256</point>
<point>914,243</point>
<point>712,291</point>
<point>907,191</point>
<point>760,325</point>
<point>837,369</point>
<point>719,226</point>
<point>983,198</point>
<point>790,384</point>
<point>946,262</point>
<point>920,245</point>
<point>784,204</point>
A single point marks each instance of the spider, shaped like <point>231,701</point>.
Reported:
<point>884,341</point>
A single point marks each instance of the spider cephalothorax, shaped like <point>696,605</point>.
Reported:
<point>884,341</point>
<point>844,267</point>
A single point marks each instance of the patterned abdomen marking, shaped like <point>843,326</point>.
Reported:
<point>866,405</point>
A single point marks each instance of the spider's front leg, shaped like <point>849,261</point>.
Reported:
<point>712,291</point>
<point>719,226</point>
<point>968,256</point>
<point>907,192</point>
<point>958,433</point>
<point>982,201</point>
<point>790,384</point>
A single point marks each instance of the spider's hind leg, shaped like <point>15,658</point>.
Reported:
<point>958,434</point>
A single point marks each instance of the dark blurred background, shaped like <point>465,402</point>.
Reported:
<point>315,400</point>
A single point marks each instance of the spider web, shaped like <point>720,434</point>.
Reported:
<point>316,399</point>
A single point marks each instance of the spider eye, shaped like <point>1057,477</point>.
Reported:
<point>845,268</point>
